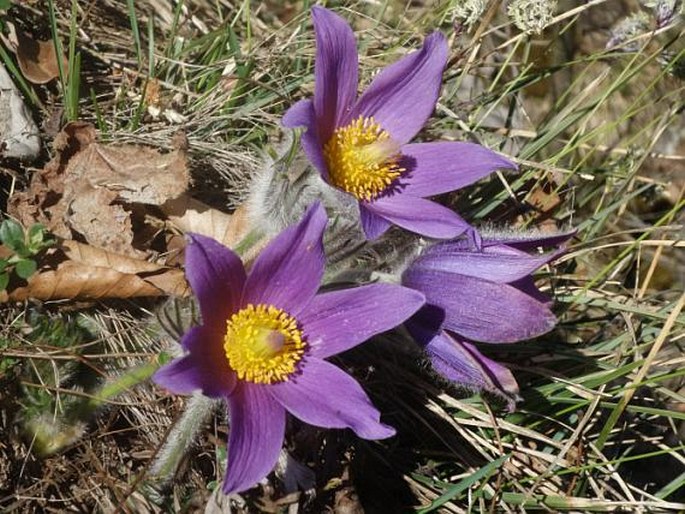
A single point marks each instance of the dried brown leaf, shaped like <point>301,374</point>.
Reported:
<point>544,198</point>
<point>87,189</point>
<point>152,92</point>
<point>191,215</point>
<point>137,174</point>
<point>37,59</point>
<point>76,271</point>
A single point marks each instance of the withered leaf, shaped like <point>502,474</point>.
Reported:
<point>87,189</point>
<point>191,215</point>
<point>37,59</point>
<point>76,271</point>
<point>544,199</point>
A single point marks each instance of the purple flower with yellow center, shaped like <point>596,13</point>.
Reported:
<point>484,295</point>
<point>361,145</point>
<point>264,337</point>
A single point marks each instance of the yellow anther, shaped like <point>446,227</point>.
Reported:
<point>362,159</point>
<point>263,344</point>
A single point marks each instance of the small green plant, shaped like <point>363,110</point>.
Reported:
<point>6,363</point>
<point>59,392</point>
<point>24,246</point>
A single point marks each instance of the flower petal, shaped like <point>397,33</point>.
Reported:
<point>335,70</point>
<point>180,376</point>
<point>302,115</point>
<point>481,310</point>
<point>419,215</point>
<point>216,276</point>
<point>205,367</point>
<point>403,95</point>
<point>462,363</point>
<point>374,226</point>
<point>288,272</point>
<point>325,396</point>
<point>257,423</point>
<point>337,321</point>
<point>496,263</point>
<point>527,285</point>
<point>435,168</point>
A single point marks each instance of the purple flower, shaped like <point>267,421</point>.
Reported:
<point>485,295</point>
<point>264,337</point>
<point>361,145</point>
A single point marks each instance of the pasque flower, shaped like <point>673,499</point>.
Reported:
<point>264,337</point>
<point>361,145</point>
<point>482,295</point>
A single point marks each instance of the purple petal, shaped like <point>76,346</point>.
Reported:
<point>481,310</point>
<point>403,95</point>
<point>527,285</point>
<point>216,276</point>
<point>302,115</point>
<point>498,263</point>
<point>435,168</point>
<point>288,272</point>
<point>204,368</point>
<point>374,226</point>
<point>257,423</point>
<point>335,70</point>
<point>180,376</point>
<point>325,396</point>
<point>462,363</point>
<point>419,215</point>
<point>337,321</point>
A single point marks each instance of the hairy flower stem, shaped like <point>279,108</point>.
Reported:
<point>122,384</point>
<point>198,410</point>
<point>52,434</point>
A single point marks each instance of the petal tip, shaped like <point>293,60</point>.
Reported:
<point>374,431</point>
<point>178,377</point>
<point>508,164</point>
<point>384,432</point>
<point>437,38</point>
<point>322,14</point>
<point>195,238</point>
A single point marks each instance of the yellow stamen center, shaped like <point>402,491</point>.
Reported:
<point>362,159</point>
<point>263,344</point>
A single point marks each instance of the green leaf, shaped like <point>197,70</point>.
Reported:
<point>25,268</point>
<point>4,280</point>
<point>3,264</point>
<point>164,358</point>
<point>12,235</point>
<point>5,4</point>
<point>36,235</point>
